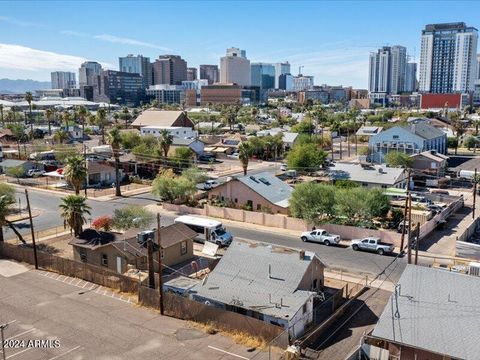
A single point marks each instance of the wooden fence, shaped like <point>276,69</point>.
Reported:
<point>182,308</point>
<point>71,268</point>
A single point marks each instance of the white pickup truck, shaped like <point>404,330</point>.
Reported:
<point>321,236</point>
<point>372,244</point>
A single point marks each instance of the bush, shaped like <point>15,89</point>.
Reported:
<point>452,142</point>
<point>306,158</point>
<point>471,142</point>
<point>103,223</point>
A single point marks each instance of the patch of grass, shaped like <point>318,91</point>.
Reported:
<point>248,340</point>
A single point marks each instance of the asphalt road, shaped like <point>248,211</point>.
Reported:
<point>338,258</point>
<point>90,325</point>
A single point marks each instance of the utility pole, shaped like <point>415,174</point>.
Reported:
<point>417,240</point>
<point>409,251</point>
<point>160,268</point>
<point>474,192</point>
<point>32,230</point>
<point>151,279</point>
<point>85,159</point>
<point>405,212</point>
<point>2,328</point>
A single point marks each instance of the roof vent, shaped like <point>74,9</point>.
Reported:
<point>253,179</point>
<point>265,181</point>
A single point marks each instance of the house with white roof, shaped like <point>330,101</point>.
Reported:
<point>274,284</point>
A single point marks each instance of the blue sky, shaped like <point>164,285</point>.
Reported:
<point>331,39</point>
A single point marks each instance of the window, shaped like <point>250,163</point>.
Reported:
<point>236,200</point>
<point>104,260</point>
<point>259,207</point>
<point>304,308</point>
<point>183,248</point>
<point>395,137</point>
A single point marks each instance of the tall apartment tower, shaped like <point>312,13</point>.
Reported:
<point>411,77</point>
<point>262,75</point>
<point>137,65</point>
<point>448,61</point>
<point>169,69</point>
<point>87,73</point>
<point>63,80</point>
<point>191,74</point>
<point>235,68</point>
<point>387,70</point>
<point>210,73</point>
<point>281,69</point>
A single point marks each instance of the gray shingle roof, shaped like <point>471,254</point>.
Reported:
<point>355,172</point>
<point>436,310</point>
<point>425,131</point>
<point>242,278</point>
<point>268,186</point>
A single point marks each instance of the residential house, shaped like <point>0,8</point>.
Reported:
<point>288,138</point>
<point>100,172</point>
<point>430,162</point>
<point>226,146</point>
<point>115,251</point>
<point>271,283</point>
<point>175,131</point>
<point>259,192</point>
<point>432,315</point>
<point>163,119</point>
<point>412,139</point>
<point>7,137</point>
<point>369,131</point>
<point>197,146</point>
<point>368,175</point>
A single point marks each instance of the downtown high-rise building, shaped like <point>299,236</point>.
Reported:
<point>262,75</point>
<point>170,70</point>
<point>137,65</point>
<point>191,74</point>
<point>210,73</point>
<point>87,73</point>
<point>63,80</point>
<point>235,68</point>
<point>387,70</point>
<point>411,83</point>
<point>448,62</point>
<point>281,69</point>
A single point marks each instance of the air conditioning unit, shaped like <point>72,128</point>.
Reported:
<point>474,269</point>
<point>144,236</point>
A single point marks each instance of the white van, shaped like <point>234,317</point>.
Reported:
<point>211,230</point>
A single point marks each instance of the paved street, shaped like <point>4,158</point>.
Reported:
<point>338,258</point>
<point>94,325</point>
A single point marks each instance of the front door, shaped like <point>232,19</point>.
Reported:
<point>119,264</point>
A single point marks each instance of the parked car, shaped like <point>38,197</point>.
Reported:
<point>35,172</point>
<point>210,184</point>
<point>372,244</point>
<point>234,155</point>
<point>320,236</point>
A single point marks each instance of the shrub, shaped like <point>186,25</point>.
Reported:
<point>104,223</point>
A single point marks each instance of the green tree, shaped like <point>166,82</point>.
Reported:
<point>75,172</point>
<point>73,210</point>
<point>132,216</point>
<point>61,136</point>
<point>16,172</point>
<point>378,204</point>
<point>82,113</point>
<point>398,159</point>
<point>304,127</point>
<point>49,116</point>
<point>306,158</point>
<point>29,99</point>
<point>195,174</point>
<point>163,185</point>
<point>115,140</point>
<point>245,151</point>
<point>7,199</point>
<point>471,142</point>
<point>311,201</point>
<point>165,141</point>
<point>460,127</point>
<point>452,142</point>
<point>130,139</point>
<point>182,156</point>
<point>101,122</point>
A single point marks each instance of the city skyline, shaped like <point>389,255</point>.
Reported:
<point>326,41</point>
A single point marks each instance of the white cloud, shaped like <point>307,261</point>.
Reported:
<point>127,41</point>
<point>20,57</point>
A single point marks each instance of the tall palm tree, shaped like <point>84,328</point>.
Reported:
<point>29,99</point>
<point>101,120</point>
<point>244,154</point>
<point>82,113</point>
<point>460,128</point>
<point>75,172</point>
<point>73,210</point>
<point>125,115</point>
<point>49,115</point>
<point>165,141</point>
<point>66,118</point>
<point>114,139</point>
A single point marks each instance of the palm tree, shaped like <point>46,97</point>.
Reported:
<point>244,153</point>
<point>49,115</point>
<point>114,140</point>
<point>82,113</point>
<point>66,117</point>
<point>73,209</point>
<point>1,114</point>
<point>165,141</point>
<point>61,136</point>
<point>101,120</point>
<point>75,172</point>
<point>126,116</point>
<point>460,129</point>
<point>29,99</point>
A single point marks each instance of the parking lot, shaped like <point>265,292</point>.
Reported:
<point>51,316</point>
